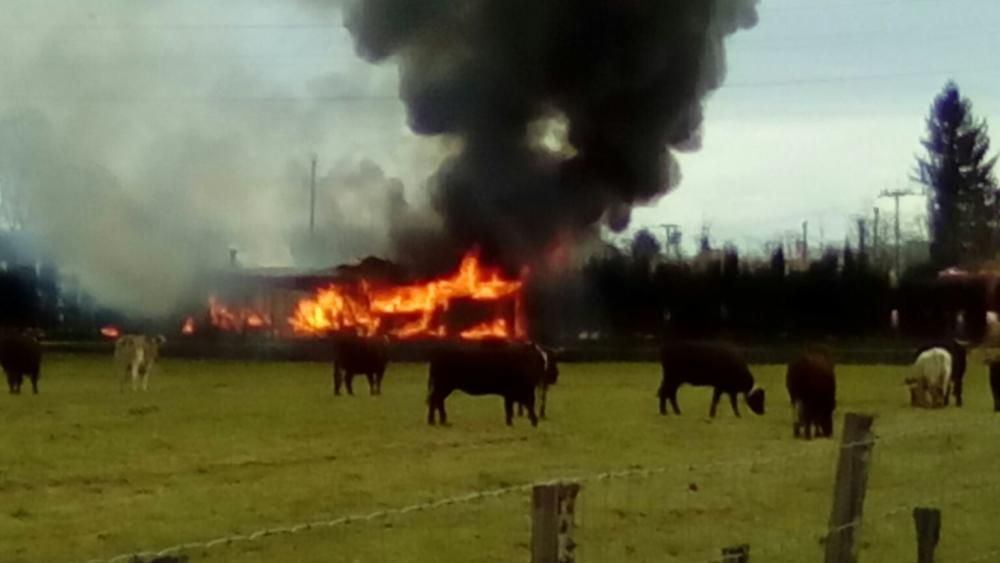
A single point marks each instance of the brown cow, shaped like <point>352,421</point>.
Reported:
<point>20,357</point>
<point>812,388</point>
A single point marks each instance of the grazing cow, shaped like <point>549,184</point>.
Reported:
<point>136,354</point>
<point>812,388</point>
<point>959,357</point>
<point>356,355</point>
<point>995,384</point>
<point>930,383</point>
<point>20,357</point>
<point>707,365</point>
<point>513,371</point>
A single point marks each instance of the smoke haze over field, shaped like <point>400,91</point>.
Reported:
<point>139,141</point>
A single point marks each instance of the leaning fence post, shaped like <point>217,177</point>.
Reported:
<point>849,490</point>
<point>928,524</point>
<point>736,554</point>
<point>553,508</point>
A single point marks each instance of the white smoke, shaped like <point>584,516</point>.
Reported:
<point>141,140</point>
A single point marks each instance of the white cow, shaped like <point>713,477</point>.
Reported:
<point>930,383</point>
<point>135,354</point>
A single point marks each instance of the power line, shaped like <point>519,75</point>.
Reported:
<point>856,78</point>
<point>395,99</point>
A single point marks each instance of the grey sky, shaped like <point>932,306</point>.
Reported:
<point>823,107</point>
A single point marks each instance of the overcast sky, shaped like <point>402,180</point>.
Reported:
<point>823,107</point>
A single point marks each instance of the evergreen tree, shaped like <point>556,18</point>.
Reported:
<point>961,188</point>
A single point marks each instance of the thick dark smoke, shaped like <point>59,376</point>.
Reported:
<point>567,112</point>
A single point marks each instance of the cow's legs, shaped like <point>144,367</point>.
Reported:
<point>145,379</point>
<point>668,392</point>
<point>508,409</point>
<point>544,395</point>
<point>135,377</point>
<point>732,401</point>
<point>435,402</point>
<point>431,405</point>
<point>957,389</point>
<point>349,382</point>
<point>34,384</point>
<point>370,376</point>
<point>442,415</point>
<point>716,396</point>
<point>338,379</point>
<point>530,405</point>
<point>14,382</point>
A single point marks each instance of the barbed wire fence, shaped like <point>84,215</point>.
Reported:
<point>931,490</point>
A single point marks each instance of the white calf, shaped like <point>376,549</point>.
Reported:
<point>135,354</point>
<point>930,383</point>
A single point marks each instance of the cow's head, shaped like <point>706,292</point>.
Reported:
<point>755,400</point>
<point>550,367</point>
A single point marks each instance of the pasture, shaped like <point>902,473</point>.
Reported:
<point>219,448</point>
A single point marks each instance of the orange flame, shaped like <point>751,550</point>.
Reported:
<point>490,329</point>
<point>225,318</point>
<point>367,310</point>
<point>188,328</point>
<point>110,332</point>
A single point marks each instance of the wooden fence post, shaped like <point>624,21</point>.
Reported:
<point>553,509</point>
<point>736,554</point>
<point>928,524</point>
<point>849,491</point>
<point>567,522</point>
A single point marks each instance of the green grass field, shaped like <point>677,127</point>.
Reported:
<point>219,448</point>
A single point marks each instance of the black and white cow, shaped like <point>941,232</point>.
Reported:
<point>930,381</point>
<point>959,352</point>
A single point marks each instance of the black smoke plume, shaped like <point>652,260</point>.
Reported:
<point>566,113</point>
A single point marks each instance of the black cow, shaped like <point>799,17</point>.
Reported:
<point>356,355</point>
<point>20,357</point>
<point>959,355</point>
<point>513,371</point>
<point>995,384</point>
<point>707,365</point>
<point>812,388</point>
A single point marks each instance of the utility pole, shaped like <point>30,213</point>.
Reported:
<point>896,194</point>
<point>805,243</point>
<point>861,235</point>
<point>312,200</point>
<point>672,233</point>
<point>876,259</point>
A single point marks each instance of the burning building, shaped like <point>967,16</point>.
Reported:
<point>371,298</point>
